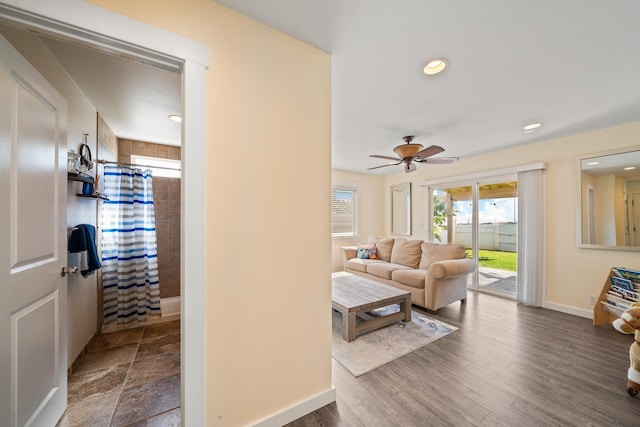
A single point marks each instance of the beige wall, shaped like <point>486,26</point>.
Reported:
<point>268,149</point>
<point>370,217</point>
<point>573,274</point>
<point>82,312</point>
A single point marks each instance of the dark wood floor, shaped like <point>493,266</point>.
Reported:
<point>508,365</point>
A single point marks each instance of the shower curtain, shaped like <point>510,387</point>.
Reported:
<point>131,288</point>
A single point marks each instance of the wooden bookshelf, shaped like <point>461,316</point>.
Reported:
<point>605,312</point>
<point>600,313</point>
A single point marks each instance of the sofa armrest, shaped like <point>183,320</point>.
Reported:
<point>348,252</point>
<point>451,268</point>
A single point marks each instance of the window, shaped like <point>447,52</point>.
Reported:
<point>159,167</point>
<point>344,212</point>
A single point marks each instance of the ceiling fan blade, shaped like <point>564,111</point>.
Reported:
<point>377,156</point>
<point>438,160</point>
<point>428,152</point>
<point>382,166</point>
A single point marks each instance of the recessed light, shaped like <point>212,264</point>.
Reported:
<point>175,118</point>
<point>435,66</point>
<point>593,163</point>
<point>531,127</point>
<point>629,168</point>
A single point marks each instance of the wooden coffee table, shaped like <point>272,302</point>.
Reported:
<point>354,296</point>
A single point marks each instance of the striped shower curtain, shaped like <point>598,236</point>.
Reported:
<point>130,280</point>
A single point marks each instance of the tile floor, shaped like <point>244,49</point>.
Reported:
<point>128,378</point>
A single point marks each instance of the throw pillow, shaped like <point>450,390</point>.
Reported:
<point>406,252</point>
<point>366,252</point>
<point>433,252</point>
<point>383,249</point>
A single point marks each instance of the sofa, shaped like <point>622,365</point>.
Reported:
<point>435,274</point>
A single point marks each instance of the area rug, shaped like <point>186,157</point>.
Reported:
<point>379,347</point>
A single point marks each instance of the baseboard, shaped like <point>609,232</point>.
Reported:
<point>74,365</point>
<point>299,410</point>
<point>569,310</point>
<point>170,306</point>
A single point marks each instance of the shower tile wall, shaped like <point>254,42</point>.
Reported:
<point>166,195</point>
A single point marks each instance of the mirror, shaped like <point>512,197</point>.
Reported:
<point>609,202</point>
<point>401,209</point>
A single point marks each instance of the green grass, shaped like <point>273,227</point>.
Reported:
<point>496,259</point>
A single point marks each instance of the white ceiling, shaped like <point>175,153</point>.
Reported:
<point>573,65</point>
<point>133,98</point>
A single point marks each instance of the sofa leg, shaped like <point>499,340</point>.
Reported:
<point>463,301</point>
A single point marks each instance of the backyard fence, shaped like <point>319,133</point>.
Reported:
<point>493,237</point>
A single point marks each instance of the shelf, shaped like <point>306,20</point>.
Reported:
<point>74,176</point>
<point>92,196</point>
<point>613,309</point>
<point>606,312</point>
<point>601,312</point>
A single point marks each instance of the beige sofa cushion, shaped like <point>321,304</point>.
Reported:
<point>406,252</point>
<point>432,252</point>
<point>383,249</point>
<point>360,264</point>
<point>384,269</point>
<point>414,278</point>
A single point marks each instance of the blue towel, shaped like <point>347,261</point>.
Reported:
<point>83,240</point>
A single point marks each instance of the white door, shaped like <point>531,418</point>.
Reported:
<point>33,247</point>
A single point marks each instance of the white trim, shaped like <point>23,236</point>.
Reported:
<point>543,276</point>
<point>299,410</point>
<point>94,26</point>
<point>84,22</point>
<point>485,174</point>
<point>170,306</point>
<point>622,150</point>
<point>193,371</point>
<point>167,168</point>
<point>568,309</point>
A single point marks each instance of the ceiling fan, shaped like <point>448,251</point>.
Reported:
<point>409,153</point>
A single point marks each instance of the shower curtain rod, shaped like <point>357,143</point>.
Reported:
<point>108,162</point>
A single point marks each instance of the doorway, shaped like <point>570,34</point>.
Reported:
<point>482,216</point>
<point>96,27</point>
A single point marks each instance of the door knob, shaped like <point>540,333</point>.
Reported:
<point>68,270</point>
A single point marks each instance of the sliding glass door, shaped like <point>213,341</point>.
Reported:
<point>482,216</point>
<point>498,237</point>
<point>453,218</point>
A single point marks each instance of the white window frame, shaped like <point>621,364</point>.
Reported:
<point>167,168</point>
<point>356,210</point>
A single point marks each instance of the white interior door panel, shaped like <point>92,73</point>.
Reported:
<point>33,247</point>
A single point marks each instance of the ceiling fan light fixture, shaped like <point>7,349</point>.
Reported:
<point>407,150</point>
<point>409,167</point>
<point>435,66</point>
